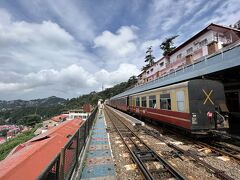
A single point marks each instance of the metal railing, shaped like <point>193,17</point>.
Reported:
<point>62,166</point>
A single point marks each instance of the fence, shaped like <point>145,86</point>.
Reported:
<point>62,166</point>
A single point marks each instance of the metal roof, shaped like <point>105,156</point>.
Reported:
<point>28,160</point>
<point>225,58</point>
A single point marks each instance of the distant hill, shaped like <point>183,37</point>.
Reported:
<point>22,112</point>
<point>45,102</point>
<point>93,97</point>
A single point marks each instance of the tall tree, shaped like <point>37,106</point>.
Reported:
<point>132,81</point>
<point>149,58</point>
<point>168,45</point>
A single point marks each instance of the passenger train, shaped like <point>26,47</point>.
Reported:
<point>196,106</point>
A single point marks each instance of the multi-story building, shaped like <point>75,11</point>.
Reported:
<point>78,113</point>
<point>141,78</point>
<point>206,42</point>
<point>152,72</point>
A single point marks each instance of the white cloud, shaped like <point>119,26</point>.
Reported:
<point>120,44</point>
<point>120,75</point>
<point>227,13</point>
<point>70,14</point>
<point>49,48</point>
<point>11,86</point>
<point>166,15</point>
<point>23,33</point>
<point>71,78</point>
<point>44,58</point>
<point>5,18</point>
<point>27,47</point>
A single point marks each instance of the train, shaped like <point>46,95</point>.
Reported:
<point>196,106</point>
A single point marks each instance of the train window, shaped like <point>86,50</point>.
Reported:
<point>144,102</point>
<point>138,101</point>
<point>180,101</point>
<point>152,101</point>
<point>130,101</point>
<point>165,101</point>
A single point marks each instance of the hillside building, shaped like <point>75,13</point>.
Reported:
<point>206,42</point>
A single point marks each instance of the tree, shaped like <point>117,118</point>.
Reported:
<point>168,46</point>
<point>149,58</point>
<point>132,81</point>
<point>144,68</point>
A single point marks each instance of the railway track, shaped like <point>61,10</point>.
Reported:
<point>217,147</point>
<point>223,149</point>
<point>218,173</point>
<point>148,161</point>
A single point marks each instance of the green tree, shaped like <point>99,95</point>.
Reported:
<point>168,45</point>
<point>144,68</point>
<point>132,81</point>
<point>149,59</point>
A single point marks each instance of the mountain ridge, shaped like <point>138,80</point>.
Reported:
<point>19,103</point>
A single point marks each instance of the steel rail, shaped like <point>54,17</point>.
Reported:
<point>210,146</point>
<point>218,173</point>
<point>137,152</point>
<point>223,152</point>
<point>214,148</point>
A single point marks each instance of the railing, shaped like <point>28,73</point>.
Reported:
<point>62,166</point>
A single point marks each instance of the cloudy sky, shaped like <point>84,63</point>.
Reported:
<point>71,47</point>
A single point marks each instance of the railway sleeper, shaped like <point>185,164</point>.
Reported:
<point>146,155</point>
<point>218,173</point>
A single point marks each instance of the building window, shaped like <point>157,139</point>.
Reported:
<point>152,101</point>
<point>203,43</point>
<point>161,64</point>
<point>144,102</point>
<point>147,72</point>
<point>165,101</point>
<point>190,50</point>
<point>151,69</point>
<point>179,56</point>
<point>180,101</point>
<point>138,101</point>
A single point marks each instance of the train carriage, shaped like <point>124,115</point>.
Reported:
<point>196,105</point>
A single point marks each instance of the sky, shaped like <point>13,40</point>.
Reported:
<point>67,48</point>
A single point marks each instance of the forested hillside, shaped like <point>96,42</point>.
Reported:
<point>93,97</point>
<point>34,111</point>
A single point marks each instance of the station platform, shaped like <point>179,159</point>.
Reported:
<point>99,159</point>
<point>134,121</point>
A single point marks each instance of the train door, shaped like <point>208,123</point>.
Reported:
<point>202,96</point>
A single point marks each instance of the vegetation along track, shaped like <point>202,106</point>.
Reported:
<point>146,158</point>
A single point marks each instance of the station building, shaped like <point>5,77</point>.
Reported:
<point>208,41</point>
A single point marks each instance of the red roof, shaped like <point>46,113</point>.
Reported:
<point>59,117</point>
<point>28,160</point>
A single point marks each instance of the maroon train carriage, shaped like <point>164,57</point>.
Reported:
<point>196,105</point>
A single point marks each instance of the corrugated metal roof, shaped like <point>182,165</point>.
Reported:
<point>59,117</point>
<point>28,160</point>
